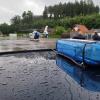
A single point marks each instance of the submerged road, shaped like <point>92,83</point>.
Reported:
<point>35,76</point>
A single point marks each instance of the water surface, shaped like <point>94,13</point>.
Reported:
<point>43,76</point>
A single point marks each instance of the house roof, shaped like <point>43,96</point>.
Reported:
<point>81,29</point>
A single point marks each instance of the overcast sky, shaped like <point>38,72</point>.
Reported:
<point>10,8</point>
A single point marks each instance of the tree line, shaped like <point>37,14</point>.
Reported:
<point>65,15</point>
<point>70,9</point>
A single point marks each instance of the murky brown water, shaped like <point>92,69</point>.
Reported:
<point>19,45</point>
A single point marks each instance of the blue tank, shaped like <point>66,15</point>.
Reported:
<point>88,79</point>
<point>80,50</point>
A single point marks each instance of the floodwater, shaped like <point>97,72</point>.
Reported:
<point>26,44</point>
<point>45,76</point>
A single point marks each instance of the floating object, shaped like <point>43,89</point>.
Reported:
<point>81,51</point>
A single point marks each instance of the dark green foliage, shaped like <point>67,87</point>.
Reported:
<point>4,28</point>
<point>59,30</point>
<point>77,8</point>
<point>45,12</point>
<point>64,15</point>
<point>27,17</point>
<point>16,20</point>
<point>91,21</point>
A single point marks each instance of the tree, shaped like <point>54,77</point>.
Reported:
<point>24,14</point>
<point>30,16</point>
<point>27,17</point>
<point>16,20</point>
<point>70,9</point>
<point>45,12</point>
<point>4,28</point>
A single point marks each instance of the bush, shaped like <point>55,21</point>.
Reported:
<point>90,21</point>
<point>59,30</point>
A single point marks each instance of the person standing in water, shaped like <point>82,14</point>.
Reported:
<point>96,36</point>
<point>46,31</point>
<point>36,35</point>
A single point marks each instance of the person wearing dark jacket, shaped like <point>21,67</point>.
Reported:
<point>36,35</point>
<point>96,36</point>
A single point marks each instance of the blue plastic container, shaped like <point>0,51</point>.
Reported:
<point>80,50</point>
<point>88,79</point>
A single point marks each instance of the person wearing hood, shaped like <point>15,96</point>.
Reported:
<point>36,34</point>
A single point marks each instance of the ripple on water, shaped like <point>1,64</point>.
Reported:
<point>38,78</point>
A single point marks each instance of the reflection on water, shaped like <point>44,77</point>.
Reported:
<point>19,45</point>
<point>89,78</point>
<point>35,76</point>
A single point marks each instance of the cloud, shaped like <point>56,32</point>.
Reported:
<point>34,6</point>
<point>5,14</point>
<point>10,8</point>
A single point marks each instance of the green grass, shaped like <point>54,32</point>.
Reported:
<point>54,36</point>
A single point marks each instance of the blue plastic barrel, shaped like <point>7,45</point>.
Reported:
<point>80,50</point>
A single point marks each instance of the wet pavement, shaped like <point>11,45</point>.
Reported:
<point>26,44</point>
<point>43,76</point>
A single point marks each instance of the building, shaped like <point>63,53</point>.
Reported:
<point>83,30</point>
